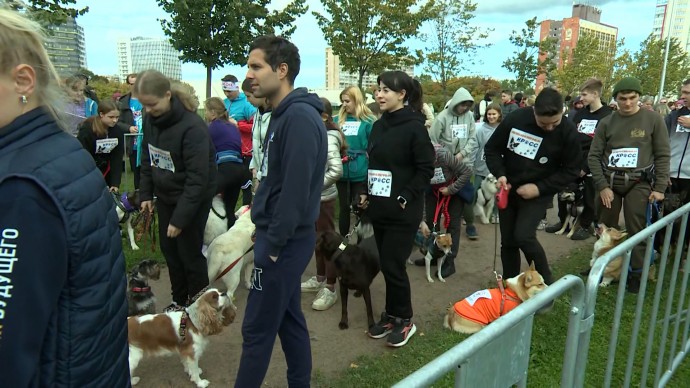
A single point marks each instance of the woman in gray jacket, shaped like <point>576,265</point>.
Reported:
<point>324,281</point>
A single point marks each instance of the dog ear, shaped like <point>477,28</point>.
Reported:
<point>207,318</point>
<point>531,266</point>
<point>228,314</point>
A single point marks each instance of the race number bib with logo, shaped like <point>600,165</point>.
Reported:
<point>587,127</point>
<point>438,177</point>
<point>523,143</point>
<point>680,128</point>
<point>105,146</point>
<point>161,159</point>
<point>350,128</point>
<point>380,183</point>
<point>459,131</point>
<point>623,158</point>
<point>472,299</point>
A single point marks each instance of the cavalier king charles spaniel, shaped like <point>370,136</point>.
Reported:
<point>182,332</point>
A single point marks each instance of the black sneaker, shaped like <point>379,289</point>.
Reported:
<point>403,329</point>
<point>383,327</point>
<point>581,234</point>
<point>553,228</point>
<point>633,284</point>
<point>448,268</point>
<point>173,307</point>
<point>422,262</point>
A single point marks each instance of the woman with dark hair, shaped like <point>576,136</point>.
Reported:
<point>227,140</point>
<point>103,137</point>
<point>178,166</point>
<point>401,165</point>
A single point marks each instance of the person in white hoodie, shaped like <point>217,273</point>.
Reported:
<point>262,118</point>
<point>455,129</point>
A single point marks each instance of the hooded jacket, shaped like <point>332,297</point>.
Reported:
<point>109,163</point>
<point>287,202</point>
<point>259,129</point>
<point>484,133</point>
<point>178,162</point>
<point>334,166</point>
<point>457,132</point>
<point>449,171</point>
<point>399,150</point>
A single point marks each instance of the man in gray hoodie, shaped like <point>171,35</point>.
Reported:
<point>455,129</point>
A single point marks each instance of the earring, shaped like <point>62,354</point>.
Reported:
<point>23,100</point>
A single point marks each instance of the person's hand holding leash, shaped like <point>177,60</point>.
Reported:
<point>607,197</point>
<point>173,231</point>
<point>528,191</point>
<point>656,196</point>
<point>459,157</point>
<point>502,182</point>
<point>363,201</point>
<point>444,191</point>
<point>133,129</point>
<point>147,206</point>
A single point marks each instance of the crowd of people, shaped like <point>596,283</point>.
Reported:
<point>295,162</point>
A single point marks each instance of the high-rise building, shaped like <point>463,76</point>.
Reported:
<point>585,19</point>
<point>337,78</point>
<point>673,16</point>
<point>66,47</point>
<point>138,54</point>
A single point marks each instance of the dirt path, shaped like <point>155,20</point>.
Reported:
<point>333,349</point>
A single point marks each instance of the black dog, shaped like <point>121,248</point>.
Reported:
<point>356,267</point>
<point>140,299</point>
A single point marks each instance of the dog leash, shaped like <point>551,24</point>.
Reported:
<point>233,264</point>
<point>441,203</point>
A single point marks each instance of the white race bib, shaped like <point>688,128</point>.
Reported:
<point>680,128</point>
<point>380,183</point>
<point>587,127</point>
<point>623,158</point>
<point>438,177</point>
<point>161,159</point>
<point>472,299</point>
<point>459,131</point>
<point>523,143</point>
<point>105,146</point>
<point>350,128</point>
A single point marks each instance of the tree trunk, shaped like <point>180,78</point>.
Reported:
<point>209,70</point>
<point>359,81</point>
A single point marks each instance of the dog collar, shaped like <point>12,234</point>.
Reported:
<point>141,289</point>
<point>125,203</point>
<point>183,326</point>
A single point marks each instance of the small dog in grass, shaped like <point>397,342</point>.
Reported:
<point>140,298</point>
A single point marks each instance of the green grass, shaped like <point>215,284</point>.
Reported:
<point>546,355</point>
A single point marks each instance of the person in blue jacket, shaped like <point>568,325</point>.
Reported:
<point>285,209</point>
<point>63,308</point>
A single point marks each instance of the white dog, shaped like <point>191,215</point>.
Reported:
<point>217,222</point>
<point>486,198</point>
<point>229,247</point>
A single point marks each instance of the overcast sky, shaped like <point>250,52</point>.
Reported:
<point>106,21</point>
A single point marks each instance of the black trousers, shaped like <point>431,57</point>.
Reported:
<point>347,191</point>
<point>136,171</point>
<point>518,223</point>
<point>455,210</point>
<point>247,193</point>
<point>395,245</point>
<point>231,177</point>
<point>589,193</point>
<point>186,264</point>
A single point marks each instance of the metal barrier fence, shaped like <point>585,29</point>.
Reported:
<point>478,362</point>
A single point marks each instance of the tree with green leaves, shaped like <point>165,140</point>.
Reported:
<point>215,33</point>
<point>532,57</point>
<point>368,35</point>
<point>47,12</point>
<point>587,60</point>
<point>453,41</point>
<point>647,65</point>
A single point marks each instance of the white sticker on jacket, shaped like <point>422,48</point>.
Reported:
<point>587,127</point>
<point>459,131</point>
<point>106,146</point>
<point>623,158</point>
<point>380,183</point>
<point>472,299</point>
<point>161,159</point>
<point>523,143</point>
<point>350,128</point>
<point>438,177</point>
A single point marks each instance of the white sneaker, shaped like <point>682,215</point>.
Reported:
<point>542,225</point>
<point>312,285</point>
<point>324,299</point>
<point>494,219</point>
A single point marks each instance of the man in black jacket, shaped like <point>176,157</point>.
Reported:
<point>286,206</point>
<point>532,155</point>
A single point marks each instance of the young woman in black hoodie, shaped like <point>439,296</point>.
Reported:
<point>401,165</point>
<point>177,165</point>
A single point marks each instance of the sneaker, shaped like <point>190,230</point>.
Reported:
<point>312,285</point>
<point>173,307</point>
<point>422,262</point>
<point>494,219</point>
<point>448,268</point>
<point>403,329</point>
<point>581,234</point>
<point>324,299</point>
<point>633,284</point>
<point>552,228</point>
<point>471,231</point>
<point>383,327</point>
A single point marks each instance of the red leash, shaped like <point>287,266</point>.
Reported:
<point>233,264</point>
<point>441,204</point>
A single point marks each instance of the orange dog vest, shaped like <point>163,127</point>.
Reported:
<point>484,306</point>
